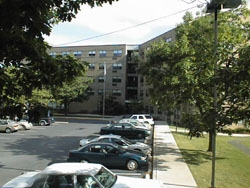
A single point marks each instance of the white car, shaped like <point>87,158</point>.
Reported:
<point>78,175</point>
<point>25,125</point>
<point>147,118</point>
<point>136,122</point>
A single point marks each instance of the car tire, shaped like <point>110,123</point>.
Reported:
<point>42,123</point>
<point>8,130</point>
<point>132,165</point>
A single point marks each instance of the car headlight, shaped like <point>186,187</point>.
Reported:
<point>144,158</point>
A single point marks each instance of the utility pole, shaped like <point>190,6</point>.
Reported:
<point>215,6</point>
<point>104,89</point>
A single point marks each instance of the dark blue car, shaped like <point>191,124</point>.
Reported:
<point>110,155</point>
<point>127,130</point>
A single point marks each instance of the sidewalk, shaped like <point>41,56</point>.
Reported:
<point>169,166</point>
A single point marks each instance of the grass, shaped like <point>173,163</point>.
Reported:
<point>232,166</point>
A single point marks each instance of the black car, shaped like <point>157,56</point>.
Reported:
<point>127,130</point>
<point>110,155</point>
<point>46,121</point>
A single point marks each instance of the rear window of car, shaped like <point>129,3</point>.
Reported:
<point>148,117</point>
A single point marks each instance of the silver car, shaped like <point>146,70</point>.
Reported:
<point>7,126</point>
<point>122,141</point>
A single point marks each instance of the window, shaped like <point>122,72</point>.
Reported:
<point>100,91</point>
<point>116,92</point>
<point>117,66</point>
<point>117,53</point>
<point>60,181</point>
<point>92,53</point>
<point>102,53</point>
<point>100,78</point>
<point>142,81</point>
<point>101,66</point>
<point>141,93</point>
<point>90,92</point>
<point>169,39</point>
<point>95,149</point>
<point>117,79</point>
<point>65,53</point>
<point>77,54</point>
<point>52,54</point>
<point>91,66</point>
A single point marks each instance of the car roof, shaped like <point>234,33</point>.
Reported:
<point>72,168</point>
<point>109,136</point>
<point>128,120</point>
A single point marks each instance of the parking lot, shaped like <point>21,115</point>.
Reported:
<point>43,145</point>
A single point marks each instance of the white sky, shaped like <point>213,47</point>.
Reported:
<point>123,22</point>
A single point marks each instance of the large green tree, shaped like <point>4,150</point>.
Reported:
<point>24,62</point>
<point>188,70</point>
<point>25,22</point>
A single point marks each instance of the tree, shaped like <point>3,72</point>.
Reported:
<point>24,23</point>
<point>24,62</point>
<point>74,90</point>
<point>37,84</point>
<point>184,71</point>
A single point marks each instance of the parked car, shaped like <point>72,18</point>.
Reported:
<point>77,175</point>
<point>25,125</point>
<point>147,118</point>
<point>127,130</point>
<point>136,122</point>
<point>110,155</point>
<point>46,121</point>
<point>122,141</point>
<point>7,126</point>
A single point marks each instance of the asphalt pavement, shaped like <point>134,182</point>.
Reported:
<point>169,167</point>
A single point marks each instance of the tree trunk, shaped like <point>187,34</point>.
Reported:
<point>66,107</point>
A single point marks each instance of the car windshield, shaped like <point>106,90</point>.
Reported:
<point>95,139</point>
<point>129,142</point>
<point>106,178</point>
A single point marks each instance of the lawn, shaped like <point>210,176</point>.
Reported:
<point>232,160</point>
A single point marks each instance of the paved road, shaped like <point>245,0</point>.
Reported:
<point>37,148</point>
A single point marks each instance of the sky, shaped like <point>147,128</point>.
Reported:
<point>123,22</point>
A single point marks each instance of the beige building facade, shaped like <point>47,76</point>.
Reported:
<point>114,71</point>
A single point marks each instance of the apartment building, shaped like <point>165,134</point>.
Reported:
<point>113,69</point>
<point>110,67</point>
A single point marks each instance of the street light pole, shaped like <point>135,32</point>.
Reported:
<point>215,98</point>
<point>104,89</point>
<point>216,5</point>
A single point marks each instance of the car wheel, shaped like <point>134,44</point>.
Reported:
<point>8,130</point>
<point>132,165</point>
<point>42,123</point>
<point>84,161</point>
<point>23,127</point>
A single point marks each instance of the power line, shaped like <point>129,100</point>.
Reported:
<point>126,28</point>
